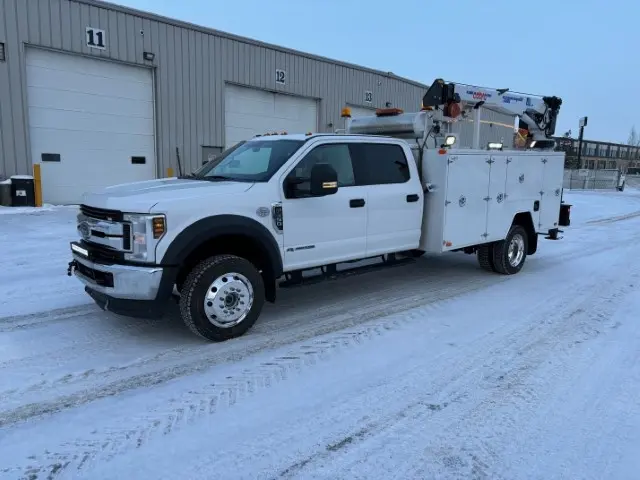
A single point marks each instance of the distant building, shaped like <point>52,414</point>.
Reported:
<point>599,155</point>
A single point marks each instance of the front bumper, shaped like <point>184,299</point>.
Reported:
<point>126,282</point>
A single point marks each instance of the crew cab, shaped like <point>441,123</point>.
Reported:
<point>219,240</point>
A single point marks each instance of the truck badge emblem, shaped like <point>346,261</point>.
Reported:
<point>84,230</point>
<point>521,179</point>
<point>262,211</point>
<point>500,198</point>
<point>463,201</point>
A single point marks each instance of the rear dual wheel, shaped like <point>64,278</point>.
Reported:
<point>485,257</point>
<point>506,256</point>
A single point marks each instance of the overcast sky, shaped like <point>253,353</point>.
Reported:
<point>584,51</point>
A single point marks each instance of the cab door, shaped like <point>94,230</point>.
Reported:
<point>396,202</point>
<point>328,229</point>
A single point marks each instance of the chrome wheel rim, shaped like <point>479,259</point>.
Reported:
<point>228,300</point>
<point>515,253</point>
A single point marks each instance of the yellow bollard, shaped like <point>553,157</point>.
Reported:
<point>169,172</point>
<point>37,184</point>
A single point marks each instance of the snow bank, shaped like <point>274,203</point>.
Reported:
<point>34,210</point>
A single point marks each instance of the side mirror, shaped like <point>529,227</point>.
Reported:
<point>324,180</point>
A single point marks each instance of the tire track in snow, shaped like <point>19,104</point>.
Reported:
<point>617,218</point>
<point>32,320</point>
<point>218,397</point>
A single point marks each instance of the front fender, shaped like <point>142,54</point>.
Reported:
<point>208,228</point>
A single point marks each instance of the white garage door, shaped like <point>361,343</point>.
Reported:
<point>250,112</point>
<point>91,123</point>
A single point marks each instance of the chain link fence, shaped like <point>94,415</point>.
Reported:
<point>586,179</point>
<point>633,180</point>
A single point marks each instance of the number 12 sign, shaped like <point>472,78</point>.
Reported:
<point>96,38</point>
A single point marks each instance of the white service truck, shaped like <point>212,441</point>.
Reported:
<point>393,186</point>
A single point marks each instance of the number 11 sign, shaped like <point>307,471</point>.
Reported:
<point>96,38</point>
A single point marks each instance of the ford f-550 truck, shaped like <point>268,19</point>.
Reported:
<point>394,185</point>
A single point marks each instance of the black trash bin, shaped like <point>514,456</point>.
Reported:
<point>23,192</point>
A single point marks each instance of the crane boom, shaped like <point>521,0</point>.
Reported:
<point>538,113</point>
<point>444,104</point>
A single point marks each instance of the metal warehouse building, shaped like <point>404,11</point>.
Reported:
<point>98,94</point>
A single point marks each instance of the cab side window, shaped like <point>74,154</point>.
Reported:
<point>336,155</point>
<point>384,164</point>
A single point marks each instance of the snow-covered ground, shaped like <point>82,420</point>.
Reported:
<point>432,370</point>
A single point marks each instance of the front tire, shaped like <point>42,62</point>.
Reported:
<point>510,254</point>
<point>222,297</point>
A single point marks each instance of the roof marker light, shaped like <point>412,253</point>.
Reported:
<point>388,112</point>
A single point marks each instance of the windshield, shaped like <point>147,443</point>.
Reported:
<point>218,158</point>
<point>253,161</point>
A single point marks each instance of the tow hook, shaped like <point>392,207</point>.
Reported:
<point>72,267</point>
<point>553,234</point>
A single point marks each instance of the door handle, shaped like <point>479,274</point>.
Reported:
<point>414,197</point>
<point>356,202</point>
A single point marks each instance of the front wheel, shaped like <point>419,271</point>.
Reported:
<point>222,297</point>
<point>510,254</point>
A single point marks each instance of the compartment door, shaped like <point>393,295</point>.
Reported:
<point>498,213</point>
<point>465,204</point>
<point>552,179</point>
<point>524,184</point>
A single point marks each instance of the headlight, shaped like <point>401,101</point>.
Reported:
<point>146,231</point>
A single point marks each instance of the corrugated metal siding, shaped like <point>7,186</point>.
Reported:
<point>191,68</point>
<point>14,137</point>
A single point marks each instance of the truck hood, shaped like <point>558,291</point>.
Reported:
<point>140,197</point>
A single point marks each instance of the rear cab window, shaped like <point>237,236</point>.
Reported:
<point>380,163</point>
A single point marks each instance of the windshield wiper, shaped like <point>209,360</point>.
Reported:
<point>193,176</point>
<point>216,177</point>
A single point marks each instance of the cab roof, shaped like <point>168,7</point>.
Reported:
<point>308,136</point>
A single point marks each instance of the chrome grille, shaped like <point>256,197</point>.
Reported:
<point>105,228</point>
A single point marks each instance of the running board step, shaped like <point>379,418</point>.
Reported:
<point>335,275</point>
